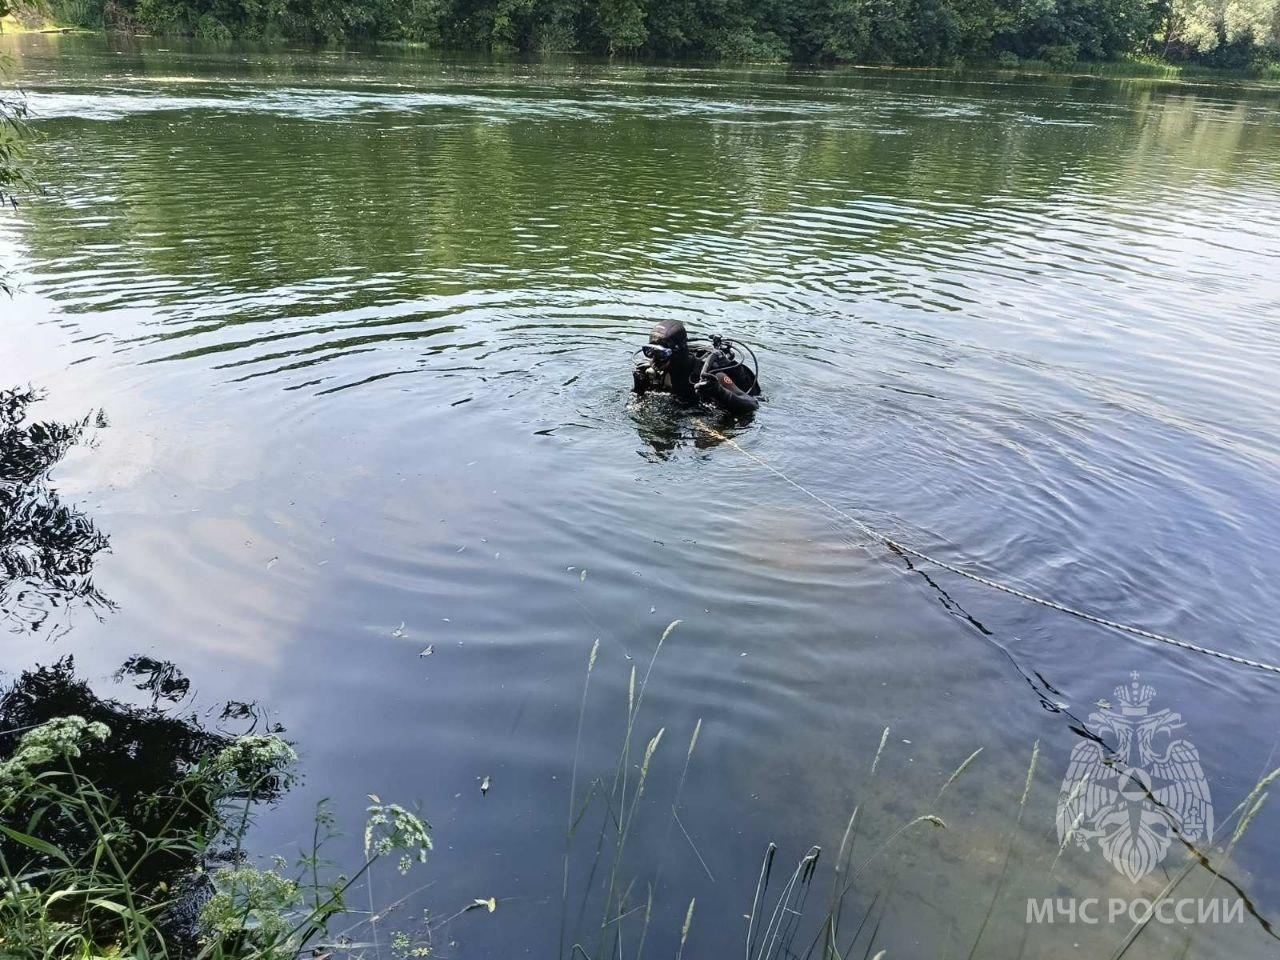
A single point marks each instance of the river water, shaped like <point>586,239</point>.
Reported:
<point>359,323</point>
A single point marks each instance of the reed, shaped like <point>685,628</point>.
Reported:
<point>1008,850</point>
<point>774,937</point>
<point>1249,807</point>
<point>621,802</point>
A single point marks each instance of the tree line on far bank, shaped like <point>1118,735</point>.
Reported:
<point>1231,34</point>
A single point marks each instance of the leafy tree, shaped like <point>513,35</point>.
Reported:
<point>621,24</point>
<point>1229,33</point>
<point>1216,26</point>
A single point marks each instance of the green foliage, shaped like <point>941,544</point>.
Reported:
<point>112,834</point>
<point>14,175</point>
<point>252,904</point>
<point>621,24</point>
<point>1235,34</point>
<point>391,828</point>
<point>1230,33</point>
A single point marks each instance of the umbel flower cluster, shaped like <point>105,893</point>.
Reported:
<point>43,746</point>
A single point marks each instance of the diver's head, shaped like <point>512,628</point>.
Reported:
<point>670,334</point>
<point>666,339</point>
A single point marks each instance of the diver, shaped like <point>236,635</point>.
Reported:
<point>697,373</point>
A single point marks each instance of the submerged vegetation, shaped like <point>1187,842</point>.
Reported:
<point>1218,33</point>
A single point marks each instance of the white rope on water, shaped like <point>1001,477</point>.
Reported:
<point>987,581</point>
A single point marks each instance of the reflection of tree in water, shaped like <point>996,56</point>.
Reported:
<point>138,769</point>
<point>160,678</point>
<point>47,549</point>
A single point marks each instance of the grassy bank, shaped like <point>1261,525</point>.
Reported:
<point>1145,68</point>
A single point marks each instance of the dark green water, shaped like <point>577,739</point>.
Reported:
<point>360,326</point>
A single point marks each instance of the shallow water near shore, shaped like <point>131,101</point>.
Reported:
<point>359,326</point>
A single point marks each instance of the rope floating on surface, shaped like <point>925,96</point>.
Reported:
<point>987,581</point>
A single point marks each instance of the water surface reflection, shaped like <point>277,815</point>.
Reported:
<point>361,322</point>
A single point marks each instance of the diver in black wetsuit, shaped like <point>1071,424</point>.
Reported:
<point>695,374</point>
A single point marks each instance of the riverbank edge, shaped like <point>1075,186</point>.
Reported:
<point>1128,68</point>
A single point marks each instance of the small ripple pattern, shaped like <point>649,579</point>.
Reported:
<point>1047,297</point>
<point>360,325</point>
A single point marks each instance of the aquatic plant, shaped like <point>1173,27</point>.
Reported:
<point>618,801</point>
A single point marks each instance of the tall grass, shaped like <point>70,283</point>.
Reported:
<point>772,925</point>
<point>777,938</point>
<point>1247,809</point>
<point>620,799</point>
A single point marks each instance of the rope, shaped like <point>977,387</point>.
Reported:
<point>987,581</point>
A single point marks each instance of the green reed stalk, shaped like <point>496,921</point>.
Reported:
<point>956,774</point>
<point>684,930</point>
<point>1250,805</point>
<point>1004,869</point>
<point>762,884</point>
<point>571,827</point>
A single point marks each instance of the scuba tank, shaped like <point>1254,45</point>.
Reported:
<point>717,383</point>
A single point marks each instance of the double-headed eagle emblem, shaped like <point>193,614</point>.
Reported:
<point>1132,787</point>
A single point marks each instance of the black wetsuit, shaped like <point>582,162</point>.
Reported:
<point>732,387</point>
